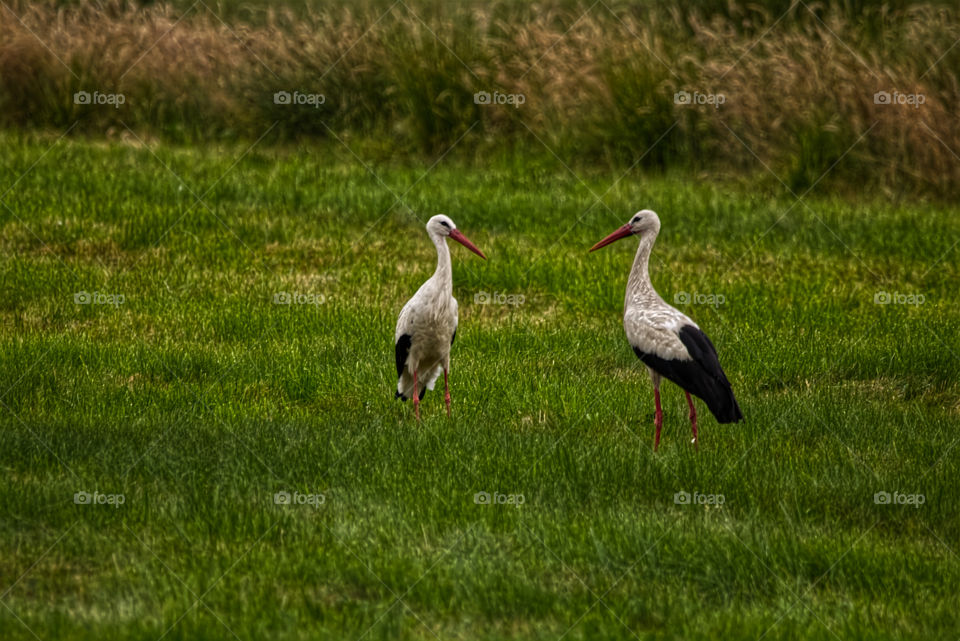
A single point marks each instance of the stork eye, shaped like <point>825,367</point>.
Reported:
<point>636,219</point>
<point>445,224</point>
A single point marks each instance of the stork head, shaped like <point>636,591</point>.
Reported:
<point>441,226</point>
<point>644,221</point>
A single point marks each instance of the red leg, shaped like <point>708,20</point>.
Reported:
<point>416,396</point>
<point>657,418</point>
<point>446,392</point>
<point>693,421</point>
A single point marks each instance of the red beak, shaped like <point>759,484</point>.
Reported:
<point>463,240</point>
<point>623,232</point>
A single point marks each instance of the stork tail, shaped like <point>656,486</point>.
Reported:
<point>723,405</point>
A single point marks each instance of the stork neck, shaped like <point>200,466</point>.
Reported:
<point>444,271</point>
<point>639,288</point>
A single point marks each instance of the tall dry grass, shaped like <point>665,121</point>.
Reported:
<point>598,84</point>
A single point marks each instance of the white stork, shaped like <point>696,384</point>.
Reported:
<point>666,340</point>
<point>428,322</point>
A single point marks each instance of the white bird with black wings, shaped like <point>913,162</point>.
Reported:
<point>670,344</point>
<point>428,322</point>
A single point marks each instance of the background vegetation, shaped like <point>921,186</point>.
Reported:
<point>598,79</point>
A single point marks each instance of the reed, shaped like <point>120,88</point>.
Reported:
<point>598,81</point>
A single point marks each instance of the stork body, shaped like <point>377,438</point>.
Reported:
<point>427,324</point>
<point>668,342</point>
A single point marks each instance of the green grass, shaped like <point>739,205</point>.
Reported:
<point>198,398</point>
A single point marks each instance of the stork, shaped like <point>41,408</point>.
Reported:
<point>428,322</point>
<point>670,344</point>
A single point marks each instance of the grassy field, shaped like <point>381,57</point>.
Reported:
<point>144,358</point>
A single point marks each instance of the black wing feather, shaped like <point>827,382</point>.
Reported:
<point>702,351</point>
<point>403,349</point>
<point>702,375</point>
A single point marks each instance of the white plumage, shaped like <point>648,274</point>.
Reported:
<point>427,324</point>
<point>655,329</point>
<point>430,319</point>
